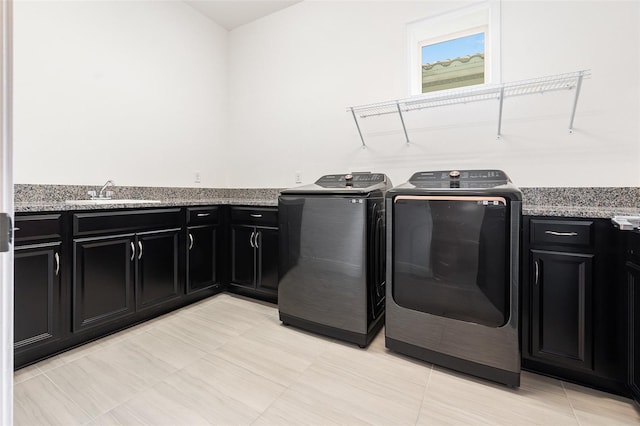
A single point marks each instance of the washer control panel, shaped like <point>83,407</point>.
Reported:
<point>358,180</point>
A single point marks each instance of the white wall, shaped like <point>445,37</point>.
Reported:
<point>134,91</point>
<point>293,73</point>
<point>147,93</point>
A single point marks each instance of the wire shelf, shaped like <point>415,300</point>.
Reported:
<point>498,92</point>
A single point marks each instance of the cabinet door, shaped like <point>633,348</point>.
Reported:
<point>36,295</point>
<point>561,326</point>
<point>633,287</point>
<point>102,280</point>
<point>201,258</point>
<point>243,255</point>
<point>267,243</point>
<point>157,268</point>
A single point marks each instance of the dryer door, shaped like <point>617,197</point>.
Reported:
<point>451,257</point>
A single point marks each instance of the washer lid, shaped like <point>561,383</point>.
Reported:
<point>348,183</point>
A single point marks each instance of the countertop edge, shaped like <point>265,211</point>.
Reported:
<point>30,207</point>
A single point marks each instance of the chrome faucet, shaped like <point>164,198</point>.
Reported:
<point>102,194</point>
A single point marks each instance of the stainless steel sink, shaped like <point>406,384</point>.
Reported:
<point>111,201</point>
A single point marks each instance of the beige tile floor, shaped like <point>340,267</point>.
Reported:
<point>229,361</point>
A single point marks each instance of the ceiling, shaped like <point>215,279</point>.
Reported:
<point>233,13</point>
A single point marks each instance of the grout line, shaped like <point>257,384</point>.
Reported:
<point>92,418</point>
<point>424,394</point>
<point>573,411</point>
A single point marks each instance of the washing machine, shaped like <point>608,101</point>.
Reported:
<point>453,247</point>
<point>332,256</point>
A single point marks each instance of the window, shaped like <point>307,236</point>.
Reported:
<point>457,61</point>
<point>455,49</point>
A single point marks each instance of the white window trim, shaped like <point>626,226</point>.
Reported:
<point>453,24</point>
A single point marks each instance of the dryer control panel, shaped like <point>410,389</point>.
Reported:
<point>459,179</point>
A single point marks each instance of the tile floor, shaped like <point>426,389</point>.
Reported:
<point>229,361</point>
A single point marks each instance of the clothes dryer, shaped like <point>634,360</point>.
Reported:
<point>453,246</point>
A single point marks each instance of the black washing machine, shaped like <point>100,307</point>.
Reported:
<point>453,246</point>
<point>332,256</point>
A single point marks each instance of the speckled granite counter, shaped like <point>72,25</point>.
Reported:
<point>595,202</point>
<point>35,198</point>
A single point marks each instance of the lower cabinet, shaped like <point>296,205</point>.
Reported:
<point>254,252</point>
<point>103,275</point>
<point>204,249</point>
<point>632,281</point>
<point>573,308</point>
<point>107,269</point>
<point>37,296</point>
<point>40,320</point>
<point>157,280</point>
<point>561,313</point>
<point>126,265</point>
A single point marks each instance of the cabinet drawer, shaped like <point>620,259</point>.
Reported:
<point>202,215</point>
<point>254,216</point>
<point>41,227</point>
<point>125,221</point>
<point>561,232</point>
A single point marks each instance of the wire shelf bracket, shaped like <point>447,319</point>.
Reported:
<point>499,92</point>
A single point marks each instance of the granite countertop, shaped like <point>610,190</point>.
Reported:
<point>576,211</point>
<point>48,198</point>
<point>588,202</point>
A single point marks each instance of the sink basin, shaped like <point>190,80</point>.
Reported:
<point>110,201</point>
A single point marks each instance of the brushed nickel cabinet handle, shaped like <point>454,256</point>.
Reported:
<point>537,277</point>
<point>256,240</point>
<point>133,251</point>
<point>57,257</point>
<point>140,246</point>
<point>256,215</point>
<point>561,234</point>
<point>251,239</point>
<point>203,214</point>
<point>190,241</point>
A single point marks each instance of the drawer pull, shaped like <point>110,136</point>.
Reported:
<point>561,234</point>
<point>203,214</point>
<point>15,228</point>
<point>57,257</point>
<point>256,215</point>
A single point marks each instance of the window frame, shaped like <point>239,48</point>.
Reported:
<point>452,24</point>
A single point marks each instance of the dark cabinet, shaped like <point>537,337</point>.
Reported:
<point>38,286</point>
<point>254,252</point>
<point>204,237</point>
<point>572,306</point>
<point>157,268</point>
<point>561,315</point>
<point>633,283</point>
<point>117,276</point>
<point>243,255</point>
<point>102,280</point>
